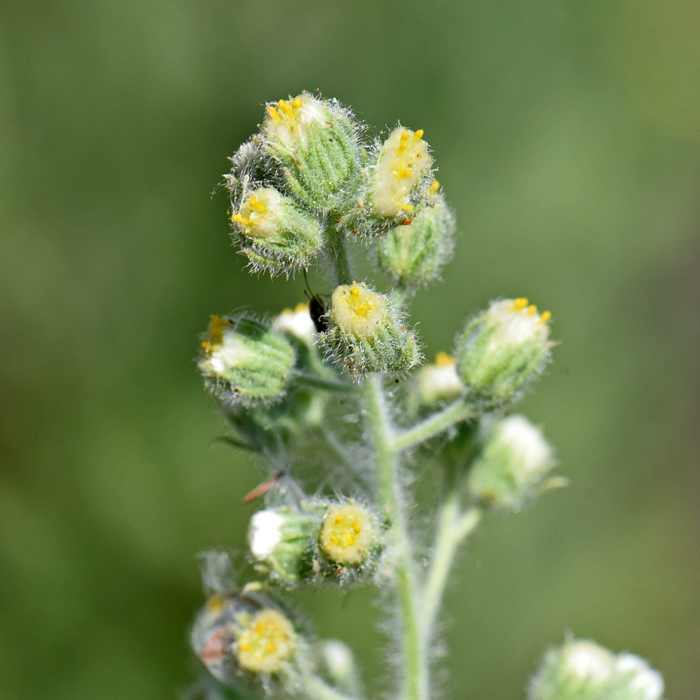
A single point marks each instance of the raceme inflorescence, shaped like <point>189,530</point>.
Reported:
<point>335,398</point>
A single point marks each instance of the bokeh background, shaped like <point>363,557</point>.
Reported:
<point>568,140</point>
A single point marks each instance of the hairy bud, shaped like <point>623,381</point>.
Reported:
<point>318,541</point>
<point>245,360</point>
<point>413,254</point>
<point>503,348</point>
<point>583,670</point>
<point>240,637</point>
<point>314,141</point>
<point>274,233</point>
<point>514,460</point>
<point>439,382</point>
<point>367,333</point>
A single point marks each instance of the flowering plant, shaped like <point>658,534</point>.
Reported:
<point>343,387</point>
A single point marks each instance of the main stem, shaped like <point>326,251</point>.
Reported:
<point>415,677</point>
<point>338,252</point>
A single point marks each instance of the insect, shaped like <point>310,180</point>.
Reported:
<point>263,488</point>
<point>317,308</point>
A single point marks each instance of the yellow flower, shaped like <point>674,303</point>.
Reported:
<point>346,534</point>
<point>267,640</point>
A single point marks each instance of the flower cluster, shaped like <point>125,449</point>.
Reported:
<point>313,392</point>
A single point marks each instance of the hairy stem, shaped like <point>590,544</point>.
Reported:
<point>453,527</point>
<point>437,423</point>
<point>415,676</point>
<point>333,385</point>
<point>338,252</point>
<point>316,689</point>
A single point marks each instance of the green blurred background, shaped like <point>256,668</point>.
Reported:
<point>568,140</point>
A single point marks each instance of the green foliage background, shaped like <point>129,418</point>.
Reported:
<point>568,140</point>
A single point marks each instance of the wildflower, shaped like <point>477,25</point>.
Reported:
<point>440,381</point>
<point>346,534</point>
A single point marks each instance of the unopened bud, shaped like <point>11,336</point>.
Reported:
<point>583,670</point>
<point>275,233</point>
<point>503,348</point>
<point>439,382</point>
<point>338,664</point>
<point>413,254</point>
<point>280,541</point>
<point>514,460</point>
<point>244,359</point>
<point>314,141</point>
<point>367,334</point>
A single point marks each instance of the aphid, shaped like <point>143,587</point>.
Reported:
<point>263,488</point>
<point>317,309</point>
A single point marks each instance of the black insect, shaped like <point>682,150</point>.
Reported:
<point>317,309</point>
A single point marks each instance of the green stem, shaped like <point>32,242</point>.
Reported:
<point>437,423</point>
<point>316,689</point>
<point>336,385</point>
<point>415,676</point>
<point>337,249</point>
<point>453,527</point>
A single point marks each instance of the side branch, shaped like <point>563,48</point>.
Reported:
<point>437,423</point>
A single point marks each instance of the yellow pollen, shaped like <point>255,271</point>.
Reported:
<point>240,219</point>
<point>520,303</point>
<point>355,291</point>
<point>270,646</point>
<point>346,534</point>
<point>356,527</point>
<point>338,520</point>
<point>402,173</point>
<point>334,539</point>
<point>403,143</point>
<point>244,647</point>
<point>546,315</point>
<point>265,641</point>
<point>435,186</point>
<point>297,103</point>
<point>531,309</point>
<point>418,135</point>
<point>442,359</point>
<point>273,114</point>
<point>286,109</point>
<point>255,204</point>
<point>301,306</point>
<point>407,207</point>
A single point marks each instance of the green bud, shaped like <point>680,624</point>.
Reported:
<point>245,360</point>
<point>413,254</point>
<point>503,348</point>
<point>274,233</point>
<point>315,142</point>
<point>338,665</point>
<point>244,637</point>
<point>439,382</point>
<point>280,539</point>
<point>514,460</point>
<point>366,333</point>
<point>583,670</point>
<point>318,541</point>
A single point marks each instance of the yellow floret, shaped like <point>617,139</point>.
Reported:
<point>215,334</point>
<point>346,534</point>
<point>287,121</point>
<point>266,641</point>
<point>403,161</point>
<point>357,309</point>
<point>259,215</point>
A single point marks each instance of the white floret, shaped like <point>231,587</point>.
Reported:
<point>647,682</point>
<point>265,533</point>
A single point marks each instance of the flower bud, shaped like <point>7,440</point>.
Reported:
<point>401,164</point>
<point>514,460</point>
<point>367,334</point>
<point>280,540</point>
<point>503,348</point>
<point>583,670</point>
<point>439,382</point>
<point>274,233</point>
<point>318,541</point>
<point>413,254</point>
<point>314,141</point>
<point>239,636</point>
<point>298,322</point>
<point>245,360</point>
<point>338,665</point>
<point>347,534</point>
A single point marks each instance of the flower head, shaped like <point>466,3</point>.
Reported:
<point>266,640</point>
<point>440,381</point>
<point>346,534</point>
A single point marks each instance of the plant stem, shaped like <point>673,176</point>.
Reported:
<point>453,527</point>
<point>316,689</point>
<point>336,385</point>
<point>337,249</point>
<point>415,675</point>
<point>430,427</point>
